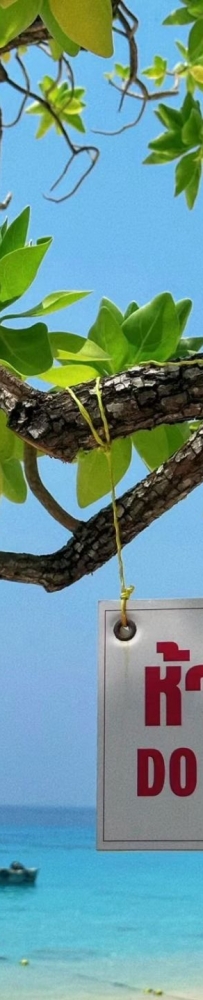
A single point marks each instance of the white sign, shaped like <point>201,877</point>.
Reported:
<point>150,732</point>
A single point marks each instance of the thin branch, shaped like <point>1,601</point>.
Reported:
<point>42,494</point>
<point>141,398</point>
<point>93,153</point>
<point>133,50</point>
<point>153,96</point>
<point>25,98</point>
<point>94,542</point>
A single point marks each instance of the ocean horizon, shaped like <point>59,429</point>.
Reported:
<point>96,925</point>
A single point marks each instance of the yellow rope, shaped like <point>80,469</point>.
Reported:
<point>125,591</point>
<point>86,416</point>
<point>106,447</point>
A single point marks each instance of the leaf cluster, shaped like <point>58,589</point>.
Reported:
<point>183,138</point>
<point>65,101</point>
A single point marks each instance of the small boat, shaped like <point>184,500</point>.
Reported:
<point>17,874</point>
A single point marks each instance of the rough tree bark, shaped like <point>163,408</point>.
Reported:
<point>140,398</point>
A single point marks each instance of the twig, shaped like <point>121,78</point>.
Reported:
<point>25,98</point>
<point>93,152</point>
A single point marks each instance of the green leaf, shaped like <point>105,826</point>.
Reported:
<point>69,375</point>
<point>197,73</point>
<point>133,306</point>
<point>189,104</point>
<point>51,23</point>
<point>194,344</point>
<point>157,446</point>
<point>73,348</point>
<point>190,84</point>
<point>15,235</point>
<point>169,117</point>
<point>188,346</point>
<point>66,341</point>
<point>158,158</point>
<point>16,19</point>
<point>51,303</point>
<point>192,129</point>
<point>7,3</point>
<point>183,310</point>
<point>18,447</point>
<point>19,268</point>
<point>93,479</point>
<point>75,121</point>
<point>45,124</point>
<point>122,71</point>
<point>191,190</point>
<point>169,143</point>
<point>180,16</point>
<point>55,49</point>
<point>196,8</point>
<point>7,439</point>
<point>113,309</point>
<point>157,72</point>
<point>87,23</point>
<point>183,51</point>
<point>195,42</point>
<point>27,351</point>
<point>108,334</point>
<point>153,330</point>
<point>14,485</point>
<point>187,177</point>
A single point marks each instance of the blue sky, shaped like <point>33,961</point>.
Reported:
<point>124,236</point>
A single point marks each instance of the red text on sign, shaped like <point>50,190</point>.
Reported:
<point>181,773</point>
<point>152,760</point>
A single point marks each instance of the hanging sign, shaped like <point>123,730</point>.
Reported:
<point>150,731</point>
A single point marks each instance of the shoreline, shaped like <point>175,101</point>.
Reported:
<point>120,993</point>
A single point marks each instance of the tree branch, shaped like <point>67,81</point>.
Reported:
<point>94,542</point>
<point>42,494</point>
<point>140,398</point>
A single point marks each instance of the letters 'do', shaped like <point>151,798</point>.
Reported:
<point>150,728</point>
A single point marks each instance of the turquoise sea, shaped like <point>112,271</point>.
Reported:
<point>96,925</point>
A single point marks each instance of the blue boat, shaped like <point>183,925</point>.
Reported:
<point>17,874</point>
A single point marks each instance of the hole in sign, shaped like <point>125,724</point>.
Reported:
<point>125,632</point>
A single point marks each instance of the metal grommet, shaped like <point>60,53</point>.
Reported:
<point>125,632</point>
